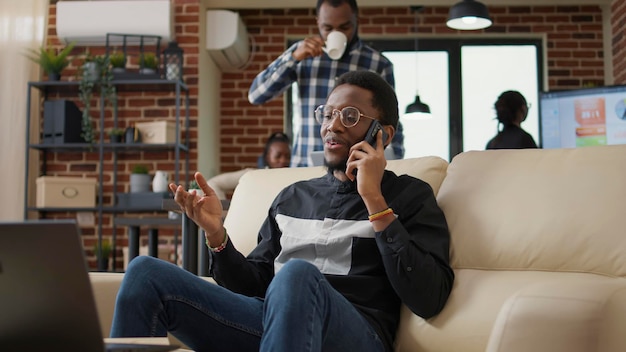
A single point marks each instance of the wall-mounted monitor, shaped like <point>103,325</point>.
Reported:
<point>583,117</point>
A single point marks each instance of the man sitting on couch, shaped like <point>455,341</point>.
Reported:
<point>337,255</point>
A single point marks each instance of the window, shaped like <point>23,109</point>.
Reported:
<point>460,79</point>
<point>509,67</point>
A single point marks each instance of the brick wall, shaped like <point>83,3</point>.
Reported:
<point>574,57</point>
<point>134,107</point>
<point>618,20</point>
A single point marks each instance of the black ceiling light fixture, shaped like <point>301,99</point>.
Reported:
<point>417,109</point>
<point>469,15</point>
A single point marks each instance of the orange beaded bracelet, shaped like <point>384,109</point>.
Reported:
<point>380,214</point>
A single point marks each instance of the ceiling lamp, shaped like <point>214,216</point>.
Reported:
<point>469,15</point>
<point>417,109</point>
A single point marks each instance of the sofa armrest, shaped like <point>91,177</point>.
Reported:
<point>563,316</point>
<point>105,287</point>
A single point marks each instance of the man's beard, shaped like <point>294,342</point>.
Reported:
<point>339,166</point>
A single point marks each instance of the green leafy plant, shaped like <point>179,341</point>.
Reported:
<point>90,69</point>
<point>148,60</point>
<point>116,132</point>
<point>117,60</point>
<point>88,57</point>
<point>140,169</point>
<point>86,88</point>
<point>104,249</point>
<point>193,186</point>
<point>51,61</point>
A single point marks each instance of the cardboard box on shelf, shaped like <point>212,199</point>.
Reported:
<point>66,192</point>
<point>157,132</point>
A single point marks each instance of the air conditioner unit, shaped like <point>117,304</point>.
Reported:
<point>88,22</point>
<point>227,39</point>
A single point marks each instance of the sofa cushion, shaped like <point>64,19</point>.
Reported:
<point>553,210</point>
<point>573,316</point>
<point>257,189</point>
<point>468,319</point>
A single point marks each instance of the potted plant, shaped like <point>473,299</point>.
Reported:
<point>116,135</point>
<point>102,252</point>
<point>51,61</point>
<point>193,186</point>
<point>118,62</point>
<point>90,69</point>
<point>86,88</point>
<point>140,179</point>
<point>148,63</point>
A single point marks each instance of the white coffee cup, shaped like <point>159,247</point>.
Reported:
<point>335,44</point>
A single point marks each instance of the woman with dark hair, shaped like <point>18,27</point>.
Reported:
<point>277,153</point>
<point>511,110</point>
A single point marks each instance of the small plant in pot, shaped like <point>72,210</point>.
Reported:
<point>116,135</point>
<point>51,61</point>
<point>148,63</point>
<point>91,67</point>
<point>140,180</point>
<point>97,80</point>
<point>118,62</point>
<point>193,186</point>
<point>103,253</point>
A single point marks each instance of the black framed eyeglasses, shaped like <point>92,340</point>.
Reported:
<point>349,116</point>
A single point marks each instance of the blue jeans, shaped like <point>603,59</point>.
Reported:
<point>301,311</point>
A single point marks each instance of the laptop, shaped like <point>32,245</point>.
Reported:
<point>317,158</point>
<point>46,301</point>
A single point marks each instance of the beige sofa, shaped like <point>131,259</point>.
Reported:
<point>538,248</point>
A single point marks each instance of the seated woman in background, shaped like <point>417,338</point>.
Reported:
<point>277,153</point>
<point>511,110</point>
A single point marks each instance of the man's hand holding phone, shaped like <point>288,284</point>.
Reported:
<point>376,137</point>
<point>372,134</point>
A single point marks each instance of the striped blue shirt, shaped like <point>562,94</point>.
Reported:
<point>316,78</point>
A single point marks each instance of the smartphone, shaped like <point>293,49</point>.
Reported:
<point>370,136</point>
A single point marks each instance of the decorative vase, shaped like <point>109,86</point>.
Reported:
<point>160,181</point>
<point>199,192</point>
<point>139,183</point>
<point>90,71</point>
<point>54,76</point>
<point>103,264</point>
<point>118,73</point>
<point>116,138</point>
<point>147,71</point>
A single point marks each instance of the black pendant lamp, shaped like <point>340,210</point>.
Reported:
<point>469,15</point>
<point>417,109</point>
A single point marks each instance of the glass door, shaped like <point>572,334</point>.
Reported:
<point>424,73</point>
<point>487,71</point>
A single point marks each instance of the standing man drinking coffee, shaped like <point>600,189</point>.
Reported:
<point>307,63</point>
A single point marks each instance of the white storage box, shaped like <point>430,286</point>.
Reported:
<point>157,132</point>
<point>66,192</point>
